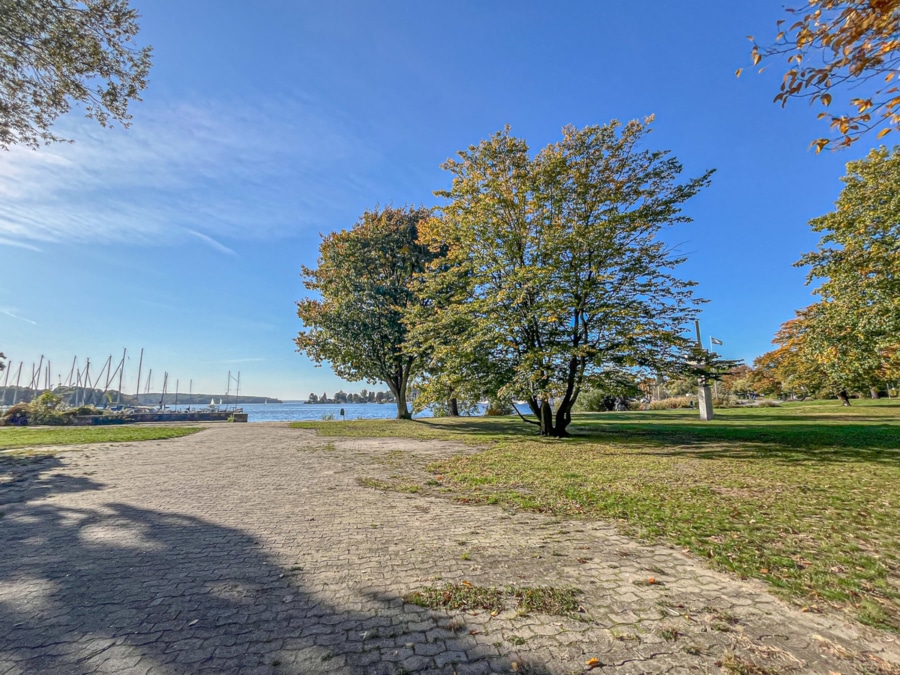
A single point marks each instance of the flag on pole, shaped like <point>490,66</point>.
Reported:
<point>715,341</point>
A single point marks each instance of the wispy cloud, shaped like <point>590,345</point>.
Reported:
<point>13,315</point>
<point>18,244</point>
<point>211,172</point>
<point>212,243</point>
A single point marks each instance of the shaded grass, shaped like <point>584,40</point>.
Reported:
<point>24,437</point>
<point>805,497</point>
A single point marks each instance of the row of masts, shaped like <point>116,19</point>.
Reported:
<point>81,380</point>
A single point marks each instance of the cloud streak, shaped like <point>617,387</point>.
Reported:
<point>13,315</point>
<point>208,172</point>
<point>18,244</point>
<point>212,243</point>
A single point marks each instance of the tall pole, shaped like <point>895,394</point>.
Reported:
<point>121,375</point>
<point>16,391</point>
<point>71,372</point>
<point>108,368</point>
<point>87,381</point>
<point>237,394</point>
<point>6,381</point>
<point>137,391</point>
<point>36,374</point>
<point>162,396</point>
<point>715,381</point>
<point>697,326</point>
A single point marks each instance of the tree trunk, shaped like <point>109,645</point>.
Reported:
<point>402,408</point>
<point>563,419</point>
<point>546,419</point>
<point>873,392</point>
<point>845,399</point>
<point>398,389</point>
<point>555,429</point>
<point>454,407</point>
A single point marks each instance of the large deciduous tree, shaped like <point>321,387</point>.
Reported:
<point>363,280</point>
<point>555,264</point>
<point>56,52</point>
<point>855,328</point>
<point>852,46</point>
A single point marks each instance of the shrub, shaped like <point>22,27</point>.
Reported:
<point>766,403</point>
<point>725,401</point>
<point>498,409</point>
<point>671,403</point>
<point>81,411</point>
<point>594,400</point>
<point>16,416</point>
<point>45,409</point>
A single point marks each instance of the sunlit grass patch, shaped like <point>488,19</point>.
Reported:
<point>463,596</point>
<point>805,496</point>
<point>24,437</point>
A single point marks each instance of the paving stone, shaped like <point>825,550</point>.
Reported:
<point>250,545</point>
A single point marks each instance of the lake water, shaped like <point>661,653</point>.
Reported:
<point>296,411</point>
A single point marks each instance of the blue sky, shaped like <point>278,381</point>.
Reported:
<point>268,123</point>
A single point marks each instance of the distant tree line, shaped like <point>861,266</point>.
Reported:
<point>364,396</point>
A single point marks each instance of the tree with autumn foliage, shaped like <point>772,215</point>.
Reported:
<point>851,46</point>
<point>794,368</point>
<point>363,280</point>
<point>855,328</point>
<point>555,263</point>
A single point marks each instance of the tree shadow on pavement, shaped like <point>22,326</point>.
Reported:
<point>30,477</point>
<point>131,590</point>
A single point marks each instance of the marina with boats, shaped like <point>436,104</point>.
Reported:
<point>29,396</point>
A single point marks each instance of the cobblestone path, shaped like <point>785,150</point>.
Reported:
<point>253,548</point>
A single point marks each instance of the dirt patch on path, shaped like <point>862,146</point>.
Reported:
<point>260,548</point>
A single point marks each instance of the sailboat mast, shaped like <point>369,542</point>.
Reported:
<point>18,377</point>
<point>5,382</point>
<point>137,391</point>
<point>121,375</point>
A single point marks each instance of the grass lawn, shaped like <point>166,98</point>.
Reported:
<point>23,437</point>
<point>805,496</point>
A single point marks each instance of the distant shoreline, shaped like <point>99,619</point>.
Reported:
<point>345,402</point>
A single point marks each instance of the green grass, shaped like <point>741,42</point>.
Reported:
<point>805,496</point>
<point>472,430</point>
<point>24,437</point>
